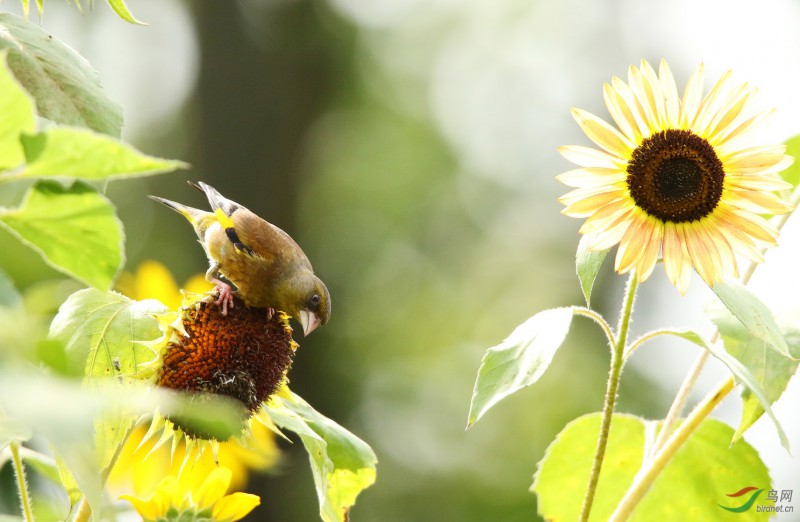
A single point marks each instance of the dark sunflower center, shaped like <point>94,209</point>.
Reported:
<point>675,175</point>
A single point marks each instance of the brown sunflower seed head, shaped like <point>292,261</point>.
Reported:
<point>244,355</point>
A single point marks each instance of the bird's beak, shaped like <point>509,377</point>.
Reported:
<point>309,320</point>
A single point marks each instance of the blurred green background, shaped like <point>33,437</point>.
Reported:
<point>410,148</point>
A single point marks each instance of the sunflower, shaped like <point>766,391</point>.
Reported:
<point>179,500</point>
<point>678,176</point>
<point>145,458</point>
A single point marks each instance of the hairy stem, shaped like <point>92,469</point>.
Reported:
<point>22,483</point>
<point>617,350</point>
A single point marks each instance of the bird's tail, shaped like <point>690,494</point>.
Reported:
<point>200,219</point>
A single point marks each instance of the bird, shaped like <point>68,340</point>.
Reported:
<point>267,267</point>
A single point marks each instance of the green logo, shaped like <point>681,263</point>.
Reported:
<point>748,503</point>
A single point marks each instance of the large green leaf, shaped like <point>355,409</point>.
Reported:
<point>80,153</point>
<point>587,265</point>
<point>520,360</point>
<point>742,375</point>
<point>9,296</point>
<point>753,314</point>
<point>693,485</point>
<point>343,465</point>
<point>75,229</point>
<point>17,112</point>
<point>103,333</point>
<point>770,369</point>
<point>66,88</point>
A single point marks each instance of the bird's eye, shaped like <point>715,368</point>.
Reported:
<point>315,299</point>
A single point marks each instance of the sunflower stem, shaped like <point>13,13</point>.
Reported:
<point>617,360</point>
<point>22,483</point>
<point>644,479</point>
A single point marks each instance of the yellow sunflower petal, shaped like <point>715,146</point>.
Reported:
<point>213,489</point>
<point>146,508</point>
<point>709,105</point>
<point>672,100</point>
<point>235,506</point>
<point>621,114</point>
<point>588,157</point>
<point>625,93</point>
<point>647,262</point>
<point>676,258</point>
<point>643,92</point>
<point>691,98</point>
<point>603,134</point>
<point>631,244</point>
<point>591,177</point>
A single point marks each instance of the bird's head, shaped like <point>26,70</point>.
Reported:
<point>310,302</point>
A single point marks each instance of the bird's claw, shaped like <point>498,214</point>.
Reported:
<point>225,299</point>
<point>270,313</point>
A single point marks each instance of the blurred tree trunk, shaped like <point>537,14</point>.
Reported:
<point>266,75</point>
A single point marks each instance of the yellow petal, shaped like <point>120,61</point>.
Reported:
<point>213,489</point>
<point>632,244</point>
<point>621,114</point>
<point>691,98</point>
<point>235,506</point>
<point>653,246</point>
<point>627,96</point>
<point>709,105</point>
<point>147,509</point>
<point>591,177</point>
<point>589,157</point>
<point>643,92</point>
<point>676,258</point>
<point>672,102</point>
<point>154,281</point>
<point>603,134</point>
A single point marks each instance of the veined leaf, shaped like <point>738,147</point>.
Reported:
<point>520,360</point>
<point>18,117</point>
<point>81,153</point>
<point>752,313</point>
<point>694,484</point>
<point>587,265</point>
<point>342,464</point>
<point>104,334</point>
<point>66,88</point>
<point>76,230</point>
<point>742,374</point>
<point>770,369</point>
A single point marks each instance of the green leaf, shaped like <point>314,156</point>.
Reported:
<point>105,334</point>
<point>692,486</point>
<point>18,116</point>
<point>792,174</point>
<point>753,314</point>
<point>770,369</point>
<point>742,375</point>
<point>342,464</point>
<point>66,88</point>
<point>76,230</point>
<point>122,11</point>
<point>520,360</point>
<point>587,265</point>
<point>81,153</point>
